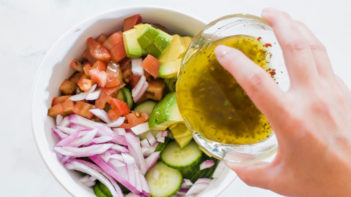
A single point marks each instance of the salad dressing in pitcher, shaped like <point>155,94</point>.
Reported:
<point>213,103</point>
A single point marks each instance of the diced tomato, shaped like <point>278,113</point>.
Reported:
<point>67,107</point>
<point>119,105</point>
<point>86,68</point>
<point>113,39</point>
<point>134,118</point>
<point>55,110</point>
<point>101,39</point>
<point>85,83</point>
<point>68,87</point>
<point>113,114</point>
<point>151,65</point>
<point>115,44</point>
<point>75,77</point>
<point>102,100</point>
<point>110,91</point>
<point>134,80</point>
<point>131,21</point>
<point>101,66</point>
<point>98,51</point>
<point>82,108</point>
<point>59,99</point>
<point>87,56</point>
<point>155,89</point>
<point>76,65</point>
<point>114,76</point>
<point>98,76</point>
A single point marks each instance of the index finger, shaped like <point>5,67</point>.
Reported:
<point>256,82</point>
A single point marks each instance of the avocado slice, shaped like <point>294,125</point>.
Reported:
<point>165,113</point>
<point>131,44</point>
<point>181,134</point>
<point>171,58</point>
<point>174,51</point>
<point>154,41</point>
<point>169,69</point>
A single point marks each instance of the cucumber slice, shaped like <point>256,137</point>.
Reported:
<point>98,191</point>
<point>127,97</point>
<point>179,158</point>
<point>163,180</point>
<point>145,107</point>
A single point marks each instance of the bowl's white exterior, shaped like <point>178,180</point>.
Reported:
<point>54,68</point>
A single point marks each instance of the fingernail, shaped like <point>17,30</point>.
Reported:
<point>221,50</point>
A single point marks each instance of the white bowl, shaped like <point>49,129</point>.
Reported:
<point>54,68</point>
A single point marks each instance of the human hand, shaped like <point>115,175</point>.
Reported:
<point>312,120</point>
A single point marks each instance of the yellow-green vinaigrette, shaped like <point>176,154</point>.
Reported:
<point>213,103</point>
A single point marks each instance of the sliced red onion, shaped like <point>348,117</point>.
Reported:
<point>135,150</point>
<point>78,138</point>
<point>147,151</point>
<point>110,171</point>
<point>200,185</point>
<point>119,148</point>
<point>131,194</point>
<point>79,97</point>
<point>102,139</point>
<point>128,159</point>
<point>84,151</point>
<point>116,163</point>
<point>181,192</point>
<point>151,138</point>
<point>88,180</point>
<point>103,130</point>
<point>79,120</point>
<point>101,114</point>
<point>96,172</point>
<point>151,160</point>
<point>64,122</point>
<point>83,95</point>
<point>117,122</point>
<point>67,130</point>
<point>107,156</point>
<point>139,90</point>
<point>77,126</point>
<point>119,131</point>
<point>119,139</point>
<point>206,164</point>
<point>186,184</point>
<point>136,66</point>
<point>161,136</point>
<point>140,128</point>
<point>59,119</point>
<point>59,133</point>
<point>144,143</point>
<point>92,96</point>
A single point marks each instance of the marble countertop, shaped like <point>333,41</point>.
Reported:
<point>29,28</point>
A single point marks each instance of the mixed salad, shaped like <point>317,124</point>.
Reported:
<point>117,118</point>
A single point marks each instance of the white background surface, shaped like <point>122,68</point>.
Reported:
<point>29,27</point>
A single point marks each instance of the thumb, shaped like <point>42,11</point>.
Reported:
<point>258,174</point>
